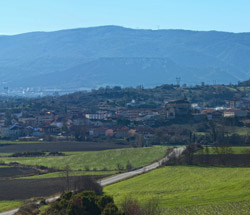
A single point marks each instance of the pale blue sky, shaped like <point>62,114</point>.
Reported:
<point>18,16</point>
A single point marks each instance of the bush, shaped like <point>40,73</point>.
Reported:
<point>129,166</point>
<point>86,202</point>
<point>110,209</point>
<point>28,154</point>
<point>119,167</point>
<point>56,154</point>
<point>28,209</point>
<point>131,206</point>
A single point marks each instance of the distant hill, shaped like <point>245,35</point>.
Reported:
<point>112,55</point>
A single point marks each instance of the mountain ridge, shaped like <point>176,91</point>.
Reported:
<point>201,55</point>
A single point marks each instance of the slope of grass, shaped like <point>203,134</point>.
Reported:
<point>232,208</point>
<point>181,187</point>
<point>72,173</point>
<point>8,205</point>
<point>98,160</point>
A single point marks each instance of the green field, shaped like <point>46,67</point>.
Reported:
<point>17,142</point>
<point>96,160</point>
<point>235,150</point>
<point>183,189</point>
<point>3,166</point>
<point>72,173</point>
<point>5,154</point>
<point>8,205</point>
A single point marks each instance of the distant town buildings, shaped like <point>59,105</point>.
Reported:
<point>177,108</point>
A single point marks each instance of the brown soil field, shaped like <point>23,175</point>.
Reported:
<point>16,172</point>
<point>58,147</point>
<point>21,189</point>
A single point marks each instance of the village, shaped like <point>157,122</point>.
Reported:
<point>134,122</point>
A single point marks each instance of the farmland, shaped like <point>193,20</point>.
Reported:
<point>23,189</point>
<point>96,160</point>
<point>58,146</point>
<point>7,205</point>
<point>71,173</point>
<point>190,190</point>
<point>6,172</point>
<point>235,150</point>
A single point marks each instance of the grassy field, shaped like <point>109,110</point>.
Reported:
<point>96,160</point>
<point>232,208</point>
<point>5,154</point>
<point>72,173</point>
<point>195,189</point>
<point>8,205</point>
<point>17,142</point>
<point>235,149</point>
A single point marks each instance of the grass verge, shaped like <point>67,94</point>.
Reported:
<point>8,205</point>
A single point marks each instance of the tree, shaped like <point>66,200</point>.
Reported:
<point>131,206</point>
<point>207,155</point>
<point>129,166</point>
<point>103,201</point>
<point>87,183</point>
<point>66,176</point>
<point>119,167</point>
<point>84,203</point>
<point>139,140</point>
<point>110,209</point>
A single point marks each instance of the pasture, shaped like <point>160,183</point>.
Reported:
<point>96,160</point>
<point>8,205</point>
<point>71,173</point>
<point>190,189</point>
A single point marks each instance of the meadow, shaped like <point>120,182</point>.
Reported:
<point>190,189</point>
<point>8,205</point>
<point>71,173</point>
<point>96,160</point>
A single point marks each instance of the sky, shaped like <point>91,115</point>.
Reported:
<point>19,16</point>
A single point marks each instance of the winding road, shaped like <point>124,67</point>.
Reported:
<point>116,178</point>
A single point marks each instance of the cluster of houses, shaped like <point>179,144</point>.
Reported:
<point>236,108</point>
<point>123,122</point>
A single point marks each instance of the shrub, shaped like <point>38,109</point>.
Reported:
<point>119,167</point>
<point>86,202</point>
<point>131,206</point>
<point>129,166</point>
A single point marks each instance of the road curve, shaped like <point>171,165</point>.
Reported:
<point>113,179</point>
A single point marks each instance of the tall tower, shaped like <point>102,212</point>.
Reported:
<point>178,81</point>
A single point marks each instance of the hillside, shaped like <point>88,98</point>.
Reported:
<point>112,55</point>
<point>189,189</point>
